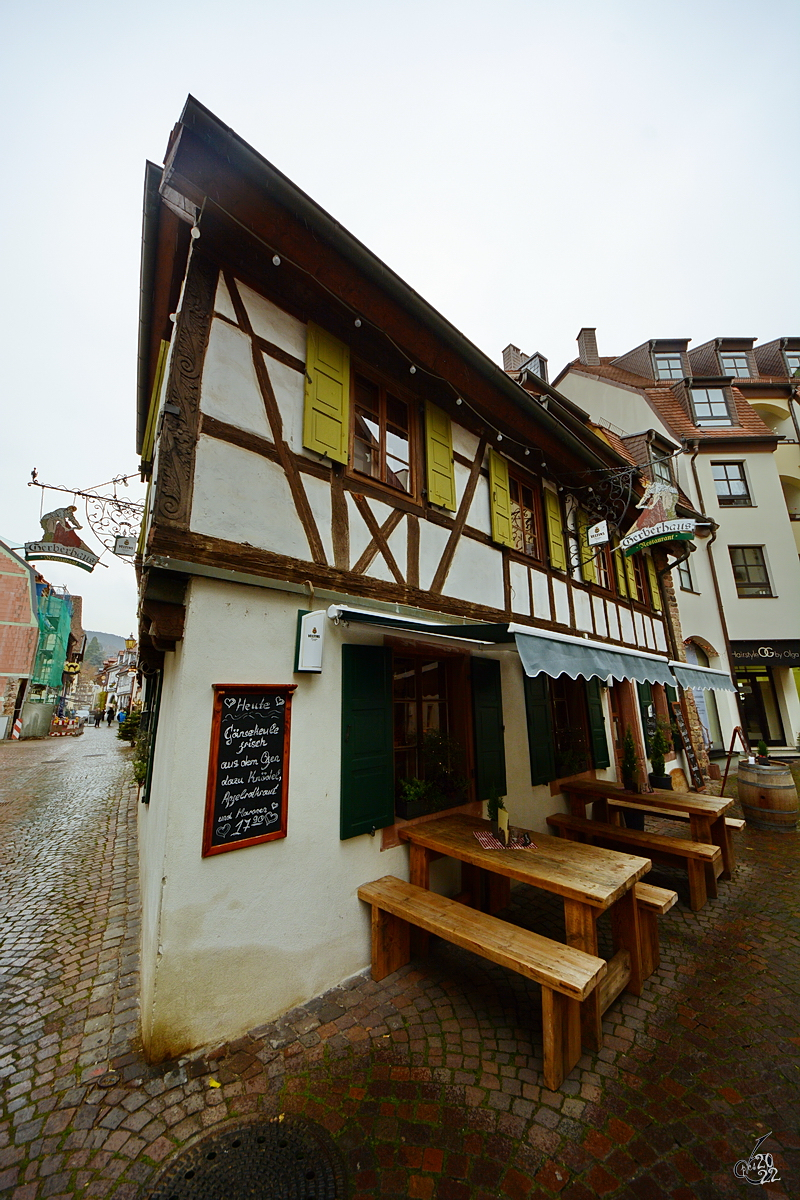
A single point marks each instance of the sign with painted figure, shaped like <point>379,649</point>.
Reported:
<point>248,766</point>
<point>658,522</point>
<point>60,542</point>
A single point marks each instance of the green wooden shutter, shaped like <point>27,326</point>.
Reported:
<point>327,399</point>
<point>588,570</point>
<point>555,531</point>
<point>500,499</point>
<point>619,569</point>
<point>540,728</point>
<point>655,591</point>
<point>487,711</point>
<point>439,458</point>
<point>597,723</point>
<point>630,576</point>
<point>367,796</point>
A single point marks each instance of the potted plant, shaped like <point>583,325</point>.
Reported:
<point>763,754</point>
<point>659,745</point>
<point>498,815</point>
<point>630,762</point>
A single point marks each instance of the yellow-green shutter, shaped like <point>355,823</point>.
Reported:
<point>439,458</point>
<point>652,576</point>
<point>500,496</point>
<point>327,403</point>
<point>555,531</point>
<point>630,575</point>
<point>148,445</point>
<point>588,569</point>
<point>619,569</point>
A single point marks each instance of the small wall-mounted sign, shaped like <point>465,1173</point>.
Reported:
<point>125,546</point>
<point>310,639</point>
<point>597,535</point>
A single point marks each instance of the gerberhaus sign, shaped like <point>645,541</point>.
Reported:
<point>784,653</point>
<point>657,522</point>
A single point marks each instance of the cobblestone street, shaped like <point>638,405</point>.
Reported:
<point>430,1081</point>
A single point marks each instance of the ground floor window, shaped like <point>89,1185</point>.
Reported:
<point>429,735</point>
<point>566,726</point>
<point>759,701</point>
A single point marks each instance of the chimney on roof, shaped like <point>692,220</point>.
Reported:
<point>513,358</point>
<point>587,348</point>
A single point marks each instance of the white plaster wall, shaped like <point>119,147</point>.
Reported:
<point>583,610</point>
<point>541,595</point>
<point>432,541</point>
<point>233,940</point>
<point>288,386</point>
<point>222,301</point>
<point>612,612</point>
<point>243,497</point>
<point>360,536</point>
<point>229,388</point>
<point>464,442</point>
<point>599,606</point>
<point>480,516</point>
<point>476,574</point>
<point>398,544</point>
<point>660,635</point>
<point>319,499</point>
<point>520,591</point>
<point>626,625</point>
<point>273,324</point>
<point>561,601</point>
<point>628,410</point>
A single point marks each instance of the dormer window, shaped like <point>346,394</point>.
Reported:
<point>710,408</point>
<point>668,366</point>
<point>735,365</point>
<point>660,467</point>
<point>792,365</point>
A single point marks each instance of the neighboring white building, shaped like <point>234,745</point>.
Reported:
<point>722,420</point>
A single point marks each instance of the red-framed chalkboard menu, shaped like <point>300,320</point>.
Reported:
<point>248,766</point>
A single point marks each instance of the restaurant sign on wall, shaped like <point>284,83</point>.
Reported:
<point>657,522</point>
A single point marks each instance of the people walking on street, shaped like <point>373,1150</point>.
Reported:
<point>98,716</point>
<point>121,716</point>
<point>109,717</point>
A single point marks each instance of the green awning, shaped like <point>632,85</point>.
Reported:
<point>486,634</point>
<point>691,676</point>
<point>573,656</point>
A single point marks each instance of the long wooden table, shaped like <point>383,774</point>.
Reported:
<point>706,814</point>
<point>589,880</point>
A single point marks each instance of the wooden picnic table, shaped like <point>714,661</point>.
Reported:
<point>706,814</point>
<point>590,880</point>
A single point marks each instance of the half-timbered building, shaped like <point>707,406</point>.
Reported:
<point>350,504</point>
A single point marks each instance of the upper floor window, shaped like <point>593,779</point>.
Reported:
<point>525,518</point>
<point>735,365</point>
<point>661,467</point>
<point>730,484</point>
<point>710,408</point>
<point>792,364</point>
<point>685,576</point>
<point>750,571</point>
<point>668,366</point>
<point>381,434</point>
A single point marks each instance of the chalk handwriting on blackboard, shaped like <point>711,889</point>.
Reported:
<point>248,766</point>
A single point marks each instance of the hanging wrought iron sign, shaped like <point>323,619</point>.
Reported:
<point>114,520</point>
<point>60,542</point>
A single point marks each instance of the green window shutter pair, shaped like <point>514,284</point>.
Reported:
<point>540,728</point>
<point>367,783</point>
<point>652,575</point>
<point>500,500</point>
<point>555,530</point>
<point>326,415</point>
<point>439,458</point>
<point>588,569</point>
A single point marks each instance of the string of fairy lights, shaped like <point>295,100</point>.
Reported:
<point>621,478</point>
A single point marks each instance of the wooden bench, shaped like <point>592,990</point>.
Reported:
<point>566,976</point>
<point>653,902</point>
<point>703,862</point>
<point>672,814</point>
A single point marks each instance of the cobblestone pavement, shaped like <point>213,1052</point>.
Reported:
<point>429,1081</point>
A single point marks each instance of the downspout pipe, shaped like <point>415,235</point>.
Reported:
<point>714,577</point>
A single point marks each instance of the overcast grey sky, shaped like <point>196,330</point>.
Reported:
<point>529,167</point>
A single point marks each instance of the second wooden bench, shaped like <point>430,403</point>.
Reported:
<point>566,976</point>
<point>702,862</point>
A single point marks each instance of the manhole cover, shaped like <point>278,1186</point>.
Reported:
<point>285,1158</point>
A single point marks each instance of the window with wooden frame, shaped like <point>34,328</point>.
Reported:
<point>730,484</point>
<point>750,571</point>
<point>602,567</point>
<point>639,573</point>
<point>383,435</point>
<point>566,726</point>
<point>526,519</point>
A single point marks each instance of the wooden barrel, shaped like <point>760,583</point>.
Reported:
<point>768,797</point>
